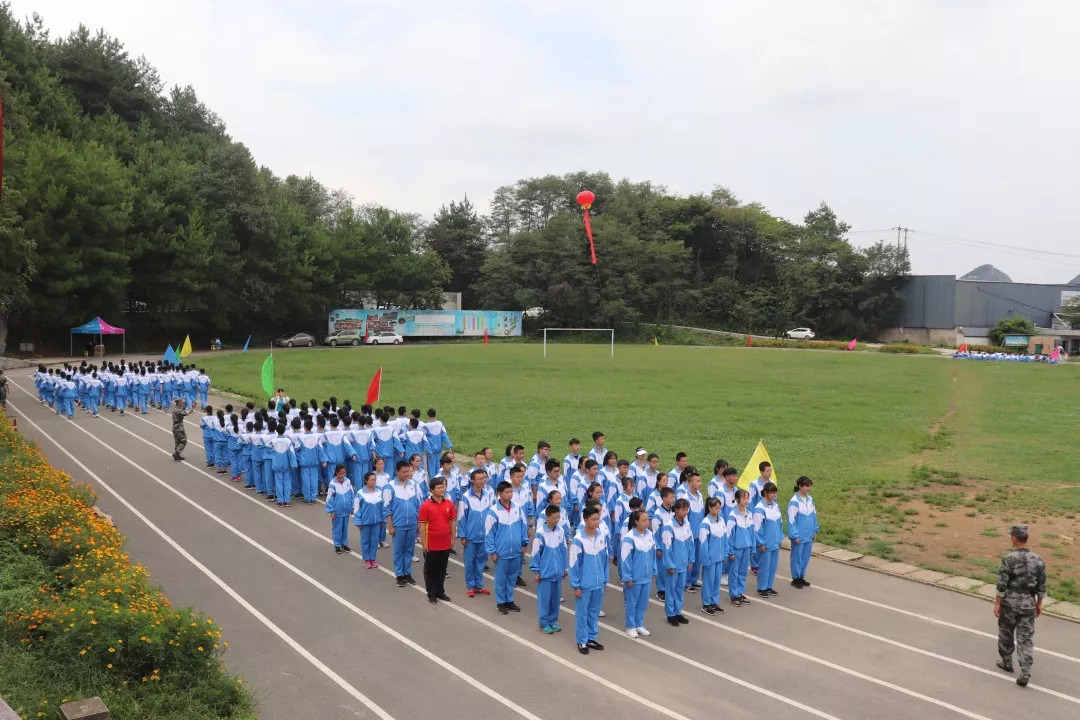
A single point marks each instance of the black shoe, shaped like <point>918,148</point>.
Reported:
<point>583,649</point>
<point>661,595</point>
<point>593,645</point>
<point>683,620</point>
<point>175,457</point>
<point>691,588</point>
<point>513,607</point>
<point>433,601</point>
<point>446,576</point>
<point>797,582</point>
<point>502,608</point>
<point>401,581</point>
<point>709,609</point>
<point>673,621</point>
<point>486,568</point>
<point>763,593</point>
<point>744,600</point>
<point>521,583</point>
<point>805,582</point>
<point>346,548</point>
<point>444,597</point>
<point>210,464</point>
<point>409,579</point>
<point>735,601</point>
<point>1022,681</point>
<point>337,551</point>
<point>1007,666</point>
<point>181,458</point>
<point>771,592</point>
<point>453,551</point>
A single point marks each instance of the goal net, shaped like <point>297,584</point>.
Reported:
<point>586,336</point>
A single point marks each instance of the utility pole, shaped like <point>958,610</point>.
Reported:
<point>898,230</point>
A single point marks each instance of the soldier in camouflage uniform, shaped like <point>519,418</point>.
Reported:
<point>1021,587</point>
<point>179,436</point>
<point>3,390</point>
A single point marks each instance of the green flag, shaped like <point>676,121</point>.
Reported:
<point>268,375</point>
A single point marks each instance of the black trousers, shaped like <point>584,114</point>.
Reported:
<point>435,572</point>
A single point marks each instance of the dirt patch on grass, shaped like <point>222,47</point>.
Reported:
<point>964,530</point>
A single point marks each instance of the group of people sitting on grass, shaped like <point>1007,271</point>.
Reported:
<point>593,518</point>
<point>1007,357</point>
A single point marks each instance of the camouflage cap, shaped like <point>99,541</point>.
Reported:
<point>1019,530</point>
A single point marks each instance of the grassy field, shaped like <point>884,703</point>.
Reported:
<point>919,458</point>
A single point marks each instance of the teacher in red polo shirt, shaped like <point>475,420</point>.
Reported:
<point>436,525</point>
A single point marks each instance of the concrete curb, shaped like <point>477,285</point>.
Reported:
<point>971,587</point>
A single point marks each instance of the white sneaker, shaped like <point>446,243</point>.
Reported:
<point>643,632</point>
<point>723,580</point>
<point>603,614</point>
<point>632,632</point>
<point>415,559</point>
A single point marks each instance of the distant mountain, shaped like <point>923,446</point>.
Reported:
<point>987,273</point>
<point>1074,281</point>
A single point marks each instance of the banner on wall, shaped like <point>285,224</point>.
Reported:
<point>429,323</point>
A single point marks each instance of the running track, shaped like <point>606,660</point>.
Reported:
<point>316,635</point>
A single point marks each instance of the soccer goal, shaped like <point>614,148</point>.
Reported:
<point>611,332</point>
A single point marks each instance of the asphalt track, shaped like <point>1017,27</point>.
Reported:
<point>317,635</point>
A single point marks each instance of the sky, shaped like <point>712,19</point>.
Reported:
<point>954,118</point>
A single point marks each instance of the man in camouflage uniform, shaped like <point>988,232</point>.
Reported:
<point>1021,587</point>
<point>179,436</point>
<point>3,390</point>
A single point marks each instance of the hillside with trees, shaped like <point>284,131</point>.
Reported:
<point>128,199</point>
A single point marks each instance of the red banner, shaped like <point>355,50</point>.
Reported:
<point>588,231</point>
<point>374,388</point>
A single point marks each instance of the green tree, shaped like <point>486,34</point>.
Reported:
<point>1012,325</point>
<point>457,236</point>
<point>1070,312</point>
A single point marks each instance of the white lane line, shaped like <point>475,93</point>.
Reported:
<point>927,653</point>
<point>927,618</point>
<point>321,666</point>
<point>783,648</point>
<point>297,571</point>
<point>543,651</point>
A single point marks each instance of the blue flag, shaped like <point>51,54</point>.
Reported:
<point>246,343</point>
<point>170,356</point>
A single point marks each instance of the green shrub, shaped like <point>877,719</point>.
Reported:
<point>905,348</point>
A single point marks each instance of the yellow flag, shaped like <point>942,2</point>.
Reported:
<point>185,349</point>
<point>656,342</point>
<point>751,473</point>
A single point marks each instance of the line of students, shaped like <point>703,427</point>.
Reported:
<point>135,386</point>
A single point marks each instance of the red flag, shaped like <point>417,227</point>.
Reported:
<point>588,231</point>
<point>851,345</point>
<point>749,340</point>
<point>374,388</point>
<point>962,348</point>
<point>485,336</point>
<point>365,333</point>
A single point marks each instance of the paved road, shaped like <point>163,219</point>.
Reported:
<point>317,635</point>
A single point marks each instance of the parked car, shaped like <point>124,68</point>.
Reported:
<point>800,334</point>
<point>535,312</point>
<point>343,337</point>
<point>302,339</point>
<point>385,338</point>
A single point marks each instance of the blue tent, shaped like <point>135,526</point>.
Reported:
<point>98,327</point>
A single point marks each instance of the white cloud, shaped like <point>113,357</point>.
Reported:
<point>952,117</point>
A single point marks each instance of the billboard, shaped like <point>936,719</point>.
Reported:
<point>429,323</point>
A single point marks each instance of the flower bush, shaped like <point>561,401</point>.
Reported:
<point>77,611</point>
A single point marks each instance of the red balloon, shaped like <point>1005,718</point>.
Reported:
<point>585,198</point>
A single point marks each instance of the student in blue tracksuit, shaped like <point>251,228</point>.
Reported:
<point>203,387</point>
<point>414,441</point>
<point>537,471</point>
<point>716,485</point>
<point>385,442</point>
<point>768,532</point>
<point>802,530</point>
<point>765,468</point>
<point>368,515</point>
<point>472,514</point>
<point>677,550</point>
<point>246,449</point>
<point>282,461</point>
<point>572,462</point>
<point>269,481</point>
<point>221,444</point>
<point>310,456</point>
<point>258,456</point>
<point>620,515</point>
<point>122,396</point>
<point>549,562</point>
<point>360,439</point>
<point>402,502</point>
<point>588,576</point>
<point>741,538</point>
<point>505,534</point>
<point>336,448</point>
<point>438,444</point>
<point>339,503</point>
<point>637,567</point>
<point>234,448</point>
<point>713,546</point>
<point>690,489</point>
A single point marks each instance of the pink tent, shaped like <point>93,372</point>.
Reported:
<point>98,327</point>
